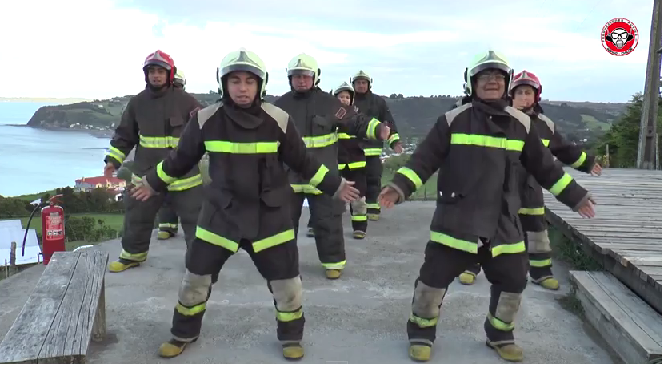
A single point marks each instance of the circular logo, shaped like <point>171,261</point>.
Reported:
<point>620,37</point>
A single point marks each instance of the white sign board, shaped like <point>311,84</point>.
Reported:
<point>9,233</point>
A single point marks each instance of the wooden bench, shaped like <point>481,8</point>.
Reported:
<point>66,309</point>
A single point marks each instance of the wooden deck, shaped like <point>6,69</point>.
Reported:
<point>626,234</point>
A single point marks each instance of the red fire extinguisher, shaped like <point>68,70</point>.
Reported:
<point>52,229</point>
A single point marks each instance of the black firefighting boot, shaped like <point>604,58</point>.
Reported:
<point>122,265</point>
<point>310,232</point>
<point>173,348</point>
<point>293,351</point>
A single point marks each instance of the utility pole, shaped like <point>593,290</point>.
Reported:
<point>647,151</point>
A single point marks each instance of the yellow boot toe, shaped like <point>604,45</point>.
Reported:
<point>359,235</point>
<point>420,352</point>
<point>293,352</point>
<point>333,274</point>
<point>509,352</point>
<point>372,216</point>
<point>118,266</point>
<point>467,278</point>
<point>550,283</point>
<point>172,348</point>
<point>163,235</point>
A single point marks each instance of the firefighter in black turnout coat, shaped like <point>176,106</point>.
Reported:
<point>248,141</point>
<point>318,115</point>
<point>351,163</point>
<point>480,147</point>
<point>374,106</point>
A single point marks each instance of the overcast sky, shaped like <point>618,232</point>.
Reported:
<point>95,49</point>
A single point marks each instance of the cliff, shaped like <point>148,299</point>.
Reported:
<point>581,122</point>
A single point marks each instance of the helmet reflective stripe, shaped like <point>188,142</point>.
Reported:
<point>242,60</point>
<point>485,61</point>
<point>304,64</point>
<point>343,87</point>
<point>361,75</point>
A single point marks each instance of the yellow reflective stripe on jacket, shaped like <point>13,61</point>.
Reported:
<point>545,142</point>
<point>289,316</point>
<point>532,211</point>
<point>487,141</point>
<point>472,247</point>
<point>372,151</point>
<point>372,128</point>
<point>353,165</point>
<point>242,147</point>
<point>345,136</point>
<point>305,189</point>
<point>173,184</point>
<point>411,175</point>
<point>116,154</point>
<point>319,175</point>
<point>579,161</point>
<point>233,246</point>
<point>561,184</point>
<point>196,309</point>
<point>394,137</point>
<point>320,141</point>
<point>158,142</point>
<point>139,257</point>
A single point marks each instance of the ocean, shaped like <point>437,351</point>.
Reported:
<point>34,160</point>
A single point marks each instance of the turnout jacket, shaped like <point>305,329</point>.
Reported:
<point>318,116</point>
<point>248,197</point>
<point>533,202</point>
<point>480,148</point>
<point>152,122</point>
<point>350,152</point>
<point>375,106</point>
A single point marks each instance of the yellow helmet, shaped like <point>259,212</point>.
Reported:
<point>180,79</point>
<point>304,64</point>
<point>243,60</point>
<point>484,61</point>
<point>361,75</point>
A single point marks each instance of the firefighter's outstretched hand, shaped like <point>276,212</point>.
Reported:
<point>388,197</point>
<point>596,170</point>
<point>347,192</point>
<point>384,132</point>
<point>587,209</point>
<point>397,148</point>
<point>142,192</point>
<point>109,169</point>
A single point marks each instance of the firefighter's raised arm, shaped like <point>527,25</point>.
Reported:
<point>567,152</point>
<point>125,137</point>
<point>422,164</point>
<point>180,161</point>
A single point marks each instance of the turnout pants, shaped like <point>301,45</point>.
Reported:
<point>506,273</point>
<point>373,172</point>
<point>278,265</point>
<point>538,246</point>
<point>358,208</point>
<point>168,219</point>
<point>326,218</point>
<point>139,219</point>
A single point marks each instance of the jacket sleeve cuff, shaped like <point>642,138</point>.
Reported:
<point>401,194</point>
<point>114,161</point>
<point>393,139</point>
<point>582,202</point>
<point>375,130</point>
<point>331,183</point>
<point>153,181</point>
<point>572,195</point>
<point>587,166</point>
<point>404,185</point>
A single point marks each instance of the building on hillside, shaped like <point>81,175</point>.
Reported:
<point>86,184</point>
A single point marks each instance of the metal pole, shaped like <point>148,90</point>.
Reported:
<point>646,153</point>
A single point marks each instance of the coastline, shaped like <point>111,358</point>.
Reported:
<point>94,133</point>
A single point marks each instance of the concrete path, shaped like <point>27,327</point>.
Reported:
<point>357,319</point>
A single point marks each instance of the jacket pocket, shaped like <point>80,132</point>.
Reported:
<point>221,201</point>
<point>177,125</point>
<point>274,198</point>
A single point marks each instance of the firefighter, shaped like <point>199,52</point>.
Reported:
<point>168,220</point>
<point>318,115</point>
<point>481,147</point>
<point>351,163</point>
<point>374,106</point>
<point>248,141</point>
<point>525,93</point>
<point>152,123</point>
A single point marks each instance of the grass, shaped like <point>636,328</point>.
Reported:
<point>35,196</point>
<point>114,221</point>
<point>592,123</point>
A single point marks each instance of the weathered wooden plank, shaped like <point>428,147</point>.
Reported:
<point>630,326</point>
<point>56,326</point>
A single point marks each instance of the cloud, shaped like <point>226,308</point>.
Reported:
<point>75,48</point>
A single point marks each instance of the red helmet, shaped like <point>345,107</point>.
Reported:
<point>526,78</point>
<point>161,59</point>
